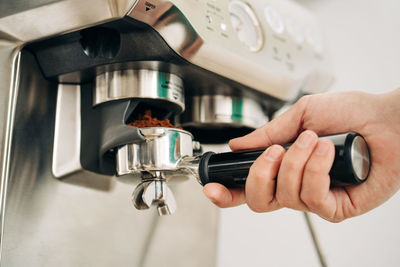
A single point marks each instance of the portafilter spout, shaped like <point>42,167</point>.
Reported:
<point>154,191</point>
<point>156,162</point>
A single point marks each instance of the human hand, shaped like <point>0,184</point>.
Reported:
<point>302,172</point>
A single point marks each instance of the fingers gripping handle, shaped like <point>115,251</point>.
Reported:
<point>350,167</point>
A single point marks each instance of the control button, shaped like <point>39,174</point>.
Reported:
<point>314,39</point>
<point>294,30</point>
<point>274,19</point>
<point>223,26</point>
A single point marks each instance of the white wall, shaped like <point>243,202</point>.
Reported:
<point>364,41</point>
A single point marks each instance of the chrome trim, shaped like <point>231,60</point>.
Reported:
<point>154,192</point>
<point>220,110</point>
<point>360,157</point>
<point>61,17</point>
<point>10,59</point>
<point>67,132</point>
<point>156,162</point>
<point>142,83</point>
<point>191,166</point>
<point>162,151</point>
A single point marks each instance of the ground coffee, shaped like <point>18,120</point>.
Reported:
<point>147,121</point>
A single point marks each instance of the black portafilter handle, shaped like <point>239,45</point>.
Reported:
<point>350,167</point>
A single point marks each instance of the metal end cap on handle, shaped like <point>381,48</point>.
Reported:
<point>360,158</point>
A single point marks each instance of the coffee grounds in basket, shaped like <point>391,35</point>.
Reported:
<point>147,121</point>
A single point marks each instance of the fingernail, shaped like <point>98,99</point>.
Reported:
<point>322,148</point>
<point>305,139</point>
<point>273,153</point>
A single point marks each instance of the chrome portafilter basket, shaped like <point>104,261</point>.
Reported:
<point>155,162</point>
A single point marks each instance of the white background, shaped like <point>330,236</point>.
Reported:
<point>363,37</point>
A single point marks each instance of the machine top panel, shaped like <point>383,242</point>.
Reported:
<point>273,46</point>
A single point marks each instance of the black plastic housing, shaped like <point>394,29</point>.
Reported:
<point>104,128</point>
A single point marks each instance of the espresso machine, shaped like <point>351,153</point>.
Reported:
<point>76,79</point>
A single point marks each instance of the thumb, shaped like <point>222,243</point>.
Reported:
<point>281,130</point>
<point>329,113</point>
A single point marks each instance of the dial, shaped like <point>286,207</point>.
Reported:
<point>246,25</point>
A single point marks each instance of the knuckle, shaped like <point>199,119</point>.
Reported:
<point>254,168</point>
<point>258,205</point>
<point>291,164</point>
<point>304,100</point>
<point>305,197</point>
<point>258,172</point>
<point>313,169</point>
<point>311,201</point>
<point>255,174</point>
<point>283,200</point>
<point>258,177</point>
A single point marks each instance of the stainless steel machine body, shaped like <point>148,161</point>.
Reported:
<point>57,55</point>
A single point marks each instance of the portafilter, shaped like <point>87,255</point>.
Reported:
<point>167,155</point>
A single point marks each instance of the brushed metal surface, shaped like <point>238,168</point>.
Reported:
<point>67,132</point>
<point>219,111</point>
<point>143,83</point>
<point>87,220</point>
<point>163,150</point>
<point>154,193</point>
<point>281,68</point>
<point>360,158</point>
<point>56,17</point>
<point>8,8</point>
<point>9,76</point>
